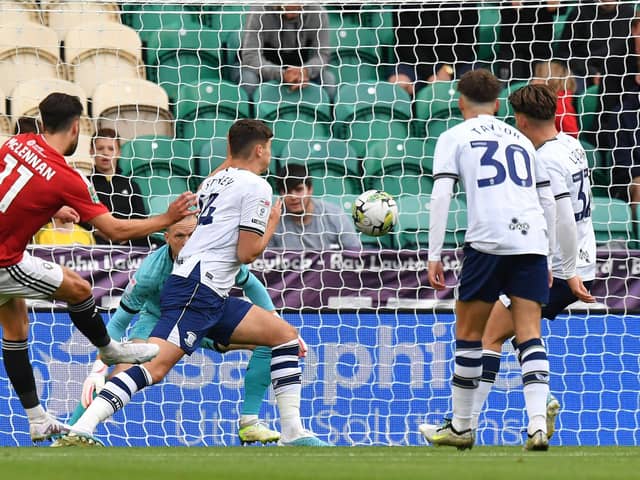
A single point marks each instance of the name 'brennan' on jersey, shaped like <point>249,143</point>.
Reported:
<point>496,165</point>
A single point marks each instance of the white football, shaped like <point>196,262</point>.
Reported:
<point>374,213</point>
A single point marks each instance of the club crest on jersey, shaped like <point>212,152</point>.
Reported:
<point>523,227</point>
<point>190,339</point>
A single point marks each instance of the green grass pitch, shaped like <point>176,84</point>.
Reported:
<point>350,463</point>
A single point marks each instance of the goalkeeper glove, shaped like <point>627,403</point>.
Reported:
<point>94,382</point>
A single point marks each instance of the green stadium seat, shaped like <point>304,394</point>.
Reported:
<point>436,109</point>
<point>303,114</point>
<point>588,108</point>
<point>488,28</point>
<point>414,217</point>
<point>161,167</point>
<point>150,18</point>
<point>399,167</point>
<point>212,154</point>
<point>184,54</point>
<point>593,155</point>
<point>371,111</point>
<point>611,220</point>
<point>333,166</point>
<point>207,110</point>
<point>505,112</point>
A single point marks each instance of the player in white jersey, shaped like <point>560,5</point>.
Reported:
<point>566,163</point>
<point>235,224</point>
<point>511,212</point>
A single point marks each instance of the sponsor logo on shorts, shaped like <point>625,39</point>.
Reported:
<point>190,339</point>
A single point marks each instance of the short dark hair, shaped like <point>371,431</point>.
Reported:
<point>58,111</point>
<point>105,133</point>
<point>292,175</point>
<point>244,134</point>
<point>538,102</point>
<point>27,125</point>
<point>480,86</point>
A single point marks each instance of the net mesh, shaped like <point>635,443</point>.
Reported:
<point>170,78</point>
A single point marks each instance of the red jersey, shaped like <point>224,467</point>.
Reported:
<point>35,181</point>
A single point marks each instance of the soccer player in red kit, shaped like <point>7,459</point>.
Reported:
<point>36,184</point>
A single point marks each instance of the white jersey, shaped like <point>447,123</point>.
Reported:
<point>496,165</point>
<point>229,201</point>
<point>566,162</point>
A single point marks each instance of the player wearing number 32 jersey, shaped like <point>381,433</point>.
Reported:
<point>36,184</point>
<point>511,215</point>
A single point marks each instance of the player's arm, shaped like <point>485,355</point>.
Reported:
<point>120,230</point>
<point>254,289</point>
<point>445,173</point>
<point>255,233</point>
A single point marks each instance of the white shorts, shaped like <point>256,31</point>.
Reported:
<point>32,278</point>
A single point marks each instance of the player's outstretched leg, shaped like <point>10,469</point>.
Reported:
<point>259,327</point>
<point>256,382</point>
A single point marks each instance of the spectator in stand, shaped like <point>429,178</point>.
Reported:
<point>27,125</point>
<point>434,41</point>
<point>308,223</point>
<point>288,43</point>
<point>119,193</point>
<point>559,78</point>
<point>621,131</point>
<point>596,44</point>
<point>525,38</point>
<point>58,232</point>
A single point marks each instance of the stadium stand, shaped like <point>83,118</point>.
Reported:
<point>63,16</point>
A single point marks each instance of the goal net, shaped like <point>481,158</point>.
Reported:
<point>376,89</point>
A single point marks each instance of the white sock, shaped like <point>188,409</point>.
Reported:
<point>466,376</point>
<point>35,413</point>
<point>97,412</point>
<point>535,378</point>
<point>246,420</point>
<point>289,407</point>
<point>479,399</point>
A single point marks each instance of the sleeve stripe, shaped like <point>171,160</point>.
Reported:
<point>445,175</point>
<point>251,229</point>
<point>128,309</point>
<point>563,195</point>
<point>546,183</point>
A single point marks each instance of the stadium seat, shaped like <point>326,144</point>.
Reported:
<point>28,50</point>
<point>5,123</point>
<point>414,217</point>
<point>132,107</point>
<point>355,49</point>
<point>207,110</point>
<point>587,108</point>
<point>211,156</point>
<point>333,166</point>
<point>229,21</point>
<point>99,52</point>
<point>612,220</point>
<point>302,114</point>
<point>62,16</point>
<point>505,112</point>
<point>26,97</point>
<point>181,54</point>
<point>399,166</point>
<point>161,167</point>
<point>488,28</point>
<point>81,158</point>
<point>370,111</point>
<point>150,18</point>
<point>436,109</point>
<point>19,11</point>
<point>593,155</point>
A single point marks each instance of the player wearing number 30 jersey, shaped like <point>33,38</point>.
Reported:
<point>511,214</point>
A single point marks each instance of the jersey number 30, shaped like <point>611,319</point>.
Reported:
<point>25,174</point>
<point>511,152</point>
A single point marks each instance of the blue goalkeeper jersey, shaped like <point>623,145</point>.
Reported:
<point>142,294</point>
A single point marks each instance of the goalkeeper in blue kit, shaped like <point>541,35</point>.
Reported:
<point>142,297</point>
